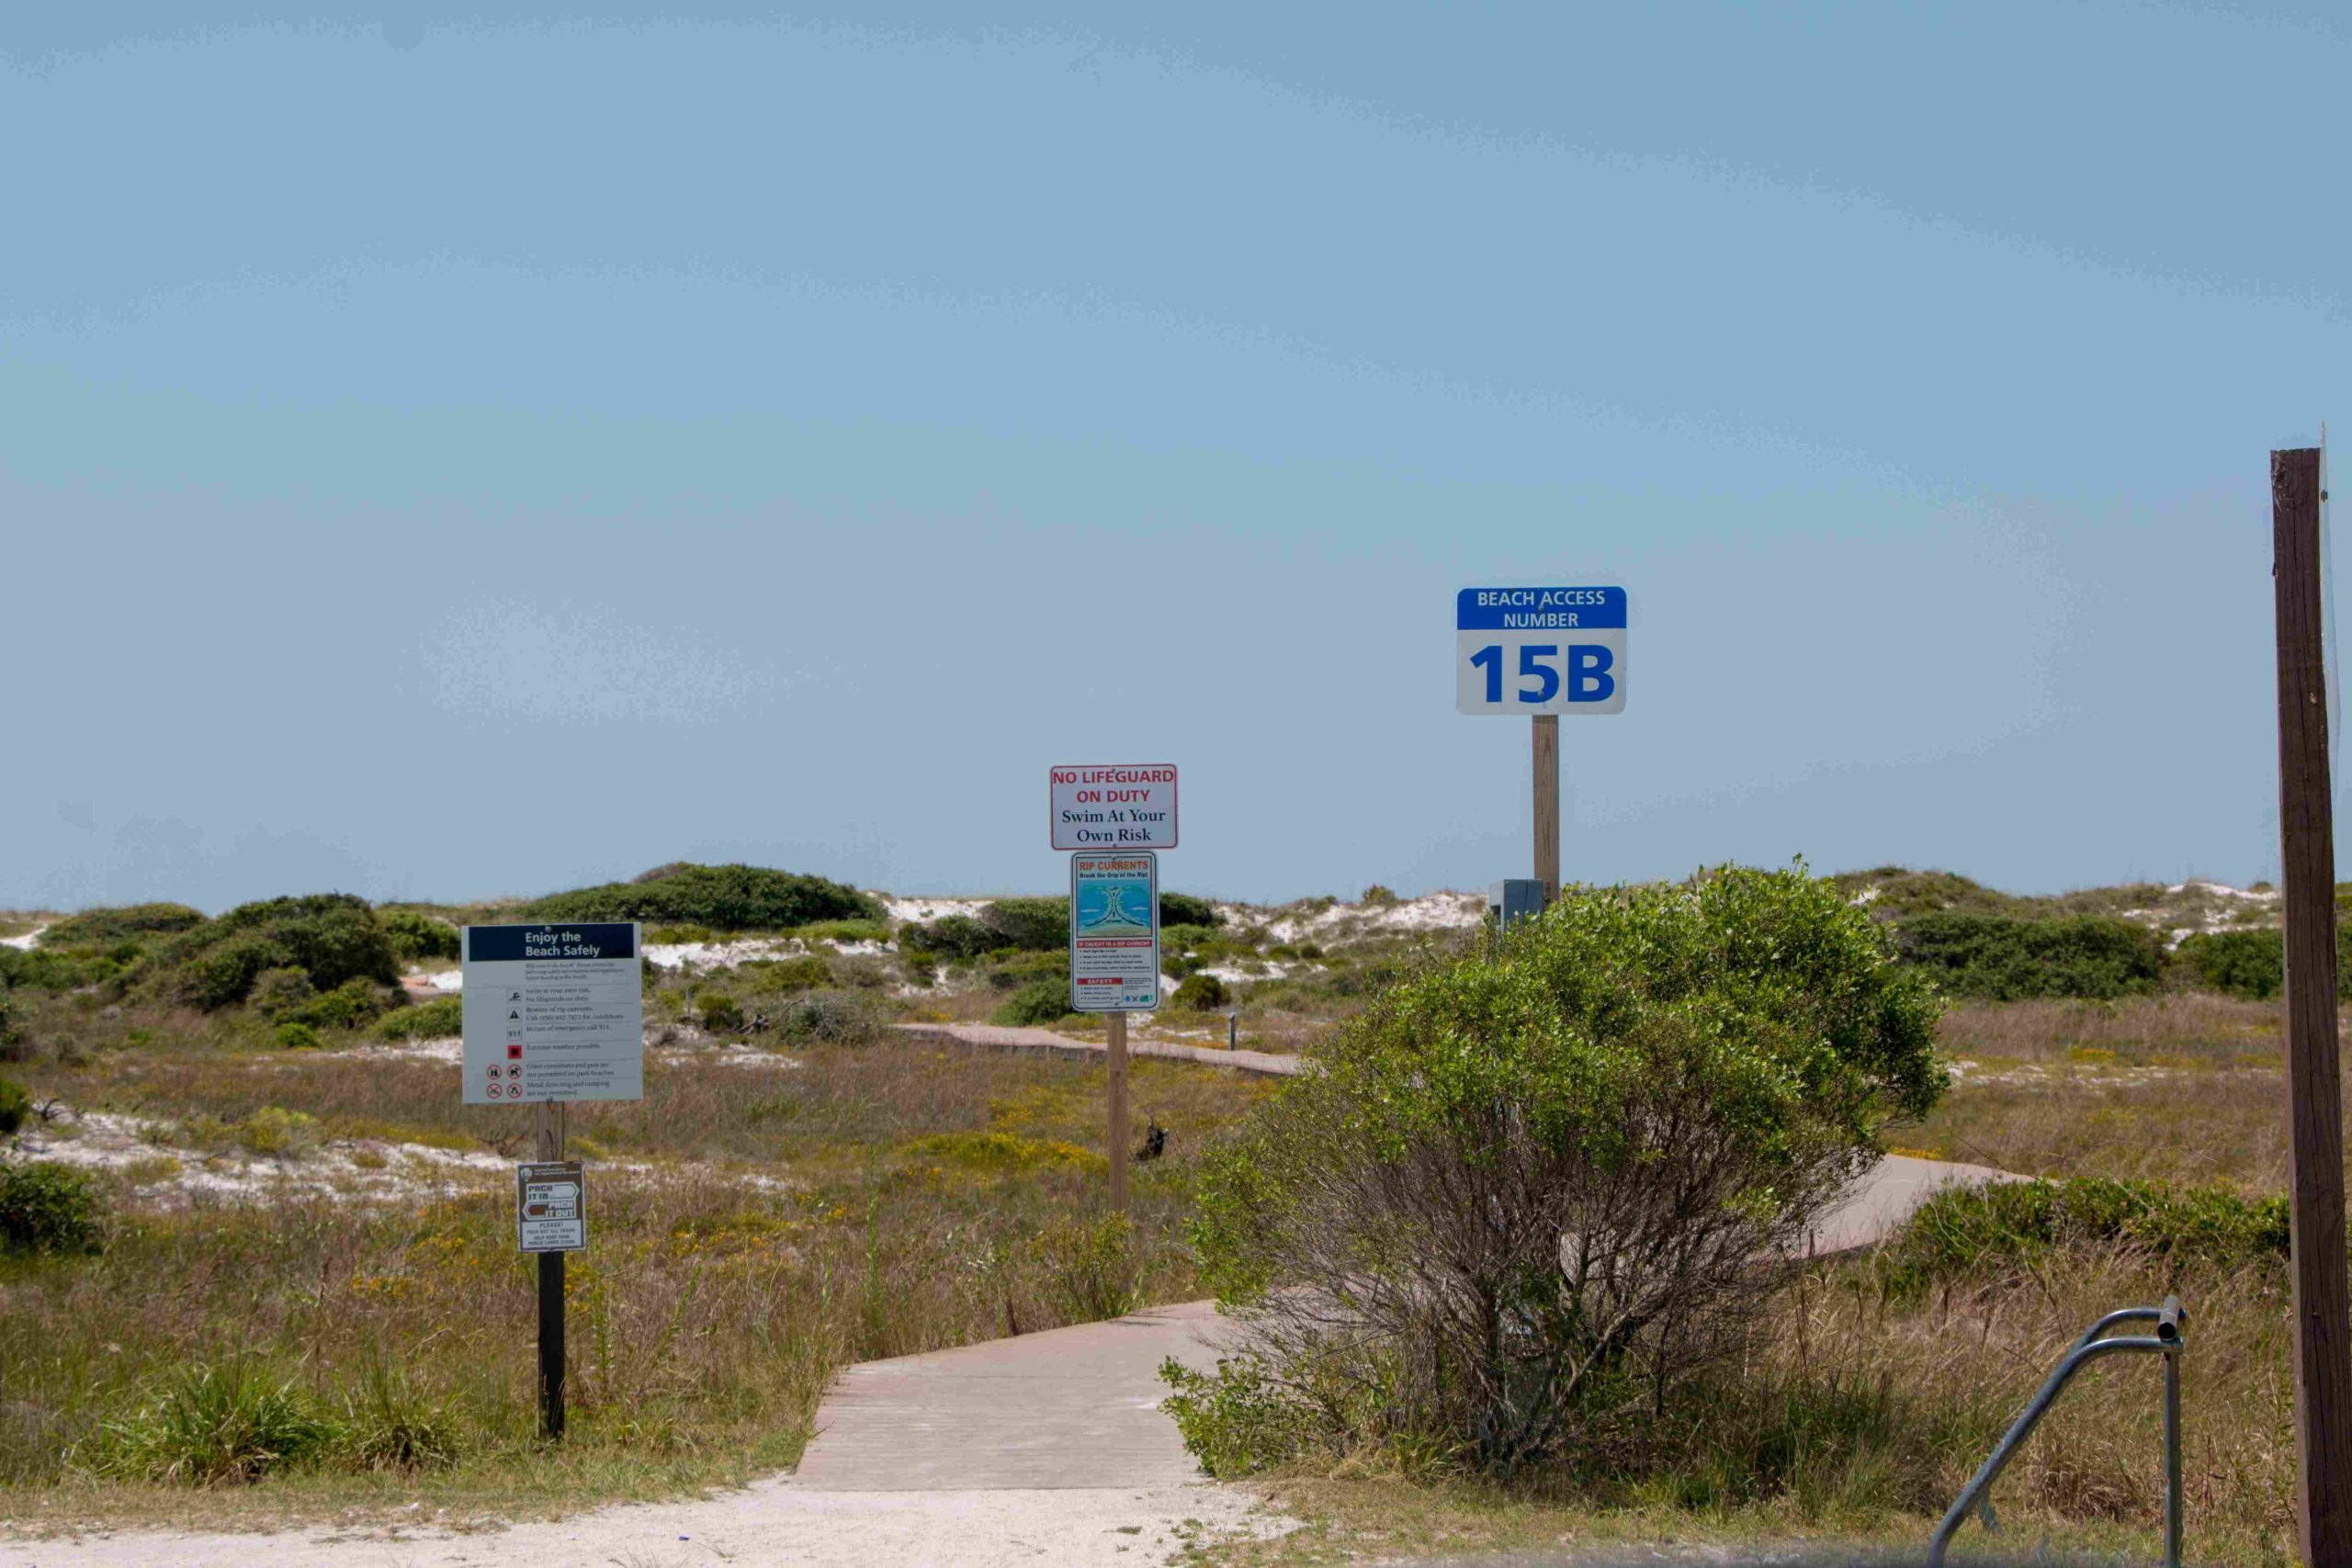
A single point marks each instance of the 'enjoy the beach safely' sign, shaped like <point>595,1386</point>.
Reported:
<point>1534,650</point>
<point>553,1011</point>
<point>1115,932</point>
<point>1114,806</point>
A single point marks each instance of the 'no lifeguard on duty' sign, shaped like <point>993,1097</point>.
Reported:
<point>1530,650</point>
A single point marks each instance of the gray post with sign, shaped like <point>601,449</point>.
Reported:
<point>554,1013</point>
<point>1115,817</point>
<point>1542,652</point>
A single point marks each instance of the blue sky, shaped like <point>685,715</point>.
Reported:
<point>446,454</point>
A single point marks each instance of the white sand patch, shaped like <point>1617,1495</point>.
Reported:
<point>2223,890</point>
<point>165,1174</point>
<point>1242,974</point>
<point>438,980</point>
<point>1429,912</point>
<point>926,911</point>
<point>718,955</point>
<point>772,1520</point>
<point>23,943</point>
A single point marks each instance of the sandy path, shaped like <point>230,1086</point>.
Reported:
<point>772,1522</point>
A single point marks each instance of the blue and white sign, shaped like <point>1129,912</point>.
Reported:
<point>1530,650</point>
<point>1115,932</point>
<point>554,1010</point>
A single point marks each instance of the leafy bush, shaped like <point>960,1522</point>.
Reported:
<point>2243,963</point>
<point>1183,909</point>
<point>348,1006</point>
<point>1676,1079</point>
<point>16,1105</point>
<point>130,923</point>
<point>46,1207</point>
<point>1040,1001</point>
<point>1198,993</point>
<point>721,1014</point>
<point>951,937</point>
<point>12,1033</point>
<point>440,1018</point>
<point>276,990</point>
<point>68,969</point>
<point>2002,959</point>
<point>297,1037</point>
<point>330,937</point>
<point>1377,897</point>
<point>1237,1420</point>
<point>2254,964</point>
<point>2009,1225</point>
<point>724,898</point>
<point>1011,973</point>
<point>417,937</point>
<point>1036,925</point>
<point>210,1425</point>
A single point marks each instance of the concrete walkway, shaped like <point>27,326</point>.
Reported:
<point>1079,1407</point>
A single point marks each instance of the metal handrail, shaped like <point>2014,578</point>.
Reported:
<point>2165,1341</point>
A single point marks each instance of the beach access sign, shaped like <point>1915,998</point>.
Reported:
<point>553,1011</point>
<point>1115,932</point>
<point>1125,805</point>
<point>1530,650</point>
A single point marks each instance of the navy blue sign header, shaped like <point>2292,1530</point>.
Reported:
<point>556,939</point>
<point>1539,609</point>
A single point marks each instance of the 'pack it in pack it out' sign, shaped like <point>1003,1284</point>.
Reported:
<point>553,1011</point>
<point>1530,650</point>
<point>551,1206</point>
<point>1115,932</point>
<point>1114,805</point>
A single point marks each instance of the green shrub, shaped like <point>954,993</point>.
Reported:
<point>829,1018</point>
<point>951,937</point>
<point>2254,964</point>
<point>48,1207</point>
<point>276,990</point>
<point>1040,1001</point>
<point>2002,959</point>
<point>210,1425</point>
<point>2008,1225</point>
<point>416,937</point>
<point>1377,897</point>
<point>1183,909</point>
<point>54,969</point>
<point>1016,970</point>
<point>1681,1079</point>
<point>12,1033</point>
<point>1036,925</point>
<point>784,977</point>
<point>440,1018</point>
<point>16,1106</point>
<point>724,898</point>
<point>1198,993</point>
<point>2243,963</point>
<point>348,1006</point>
<point>721,1014</point>
<point>273,1130</point>
<point>130,923</point>
<point>296,1037</point>
<point>330,937</point>
<point>1237,1420</point>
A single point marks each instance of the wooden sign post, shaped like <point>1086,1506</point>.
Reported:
<point>1547,805</point>
<point>1117,1063</point>
<point>2323,1302</point>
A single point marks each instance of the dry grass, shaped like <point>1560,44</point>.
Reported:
<point>776,1222</point>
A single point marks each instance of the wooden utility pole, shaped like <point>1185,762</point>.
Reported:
<point>2323,1300</point>
<point>1117,1055</point>
<point>1547,805</point>
<point>550,1149</point>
